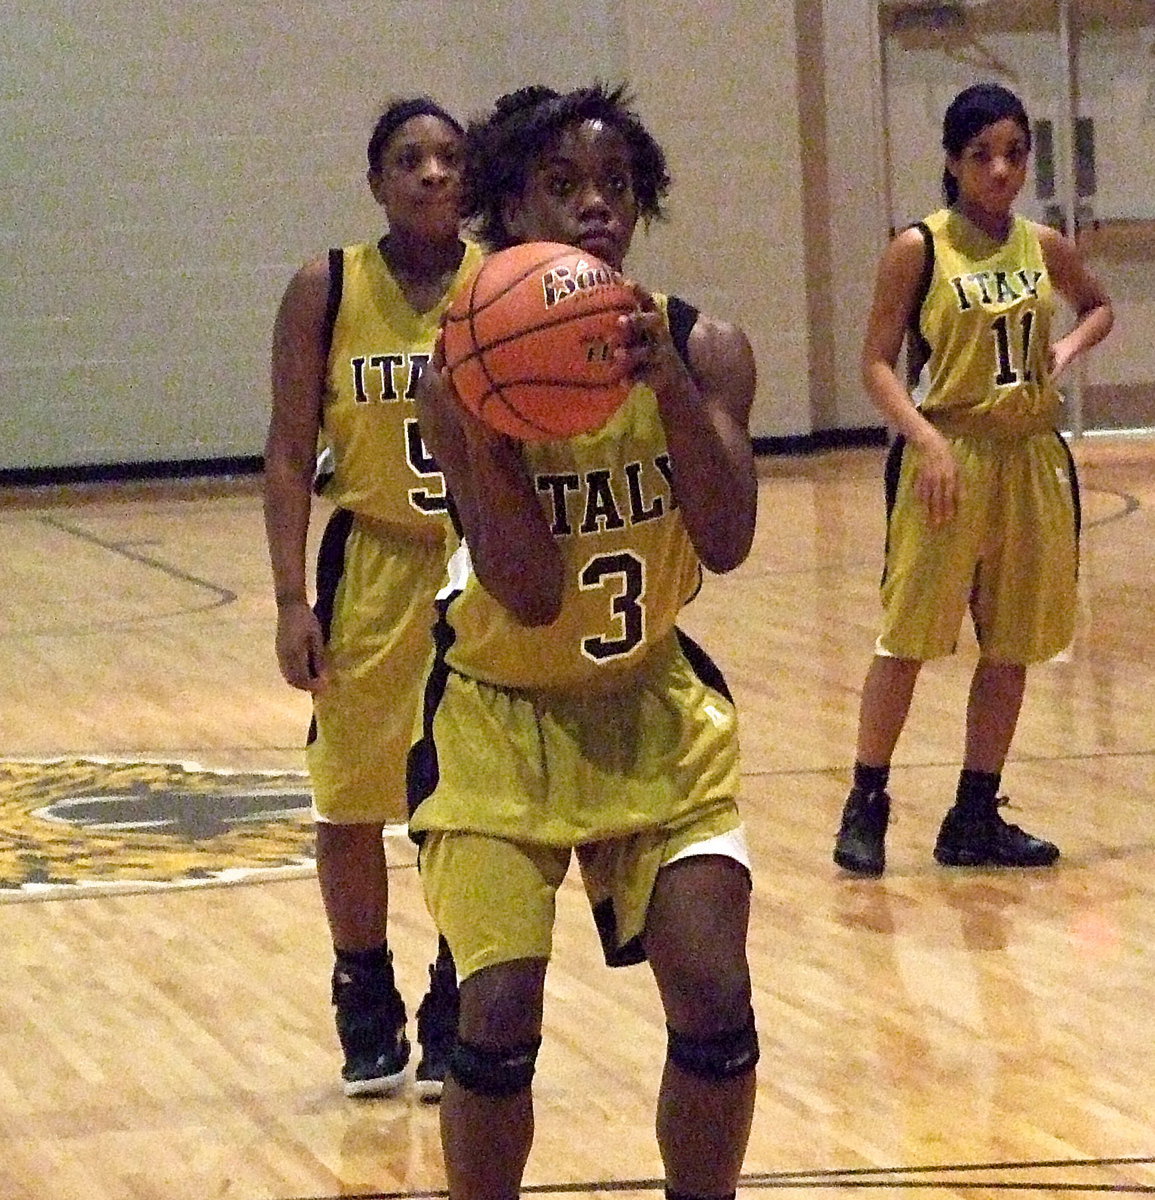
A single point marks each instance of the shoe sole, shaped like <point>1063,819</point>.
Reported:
<point>856,867</point>
<point>967,861</point>
<point>382,1085</point>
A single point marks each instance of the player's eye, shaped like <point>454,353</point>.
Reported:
<point>558,185</point>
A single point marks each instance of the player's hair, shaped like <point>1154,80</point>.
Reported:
<point>501,150</point>
<point>968,114</point>
<point>396,113</point>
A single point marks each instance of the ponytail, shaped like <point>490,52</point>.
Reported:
<point>949,186</point>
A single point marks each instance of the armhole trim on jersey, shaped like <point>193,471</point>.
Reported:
<point>681,316</point>
<point>336,286</point>
<point>332,307</point>
<point>918,351</point>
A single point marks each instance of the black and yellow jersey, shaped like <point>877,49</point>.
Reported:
<point>630,566</point>
<point>378,347</point>
<point>981,332</point>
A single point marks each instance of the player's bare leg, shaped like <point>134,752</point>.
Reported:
<point>487,1102</point>
<point>696,944</point>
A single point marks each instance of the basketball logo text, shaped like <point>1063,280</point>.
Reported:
<point>598,350</point>
<point>561,282</point>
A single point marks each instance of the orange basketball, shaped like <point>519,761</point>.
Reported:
<point>529,341</point>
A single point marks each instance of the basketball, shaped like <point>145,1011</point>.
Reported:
<point>529,342</point>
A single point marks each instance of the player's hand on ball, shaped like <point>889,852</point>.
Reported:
<point>648,354</point>
<point>443,408</point>
<point>531,342</point>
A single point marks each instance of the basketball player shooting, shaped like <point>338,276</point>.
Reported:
<point>565,713</point>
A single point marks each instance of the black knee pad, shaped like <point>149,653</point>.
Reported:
<point>718,1057</point>
<point>496,1073</point>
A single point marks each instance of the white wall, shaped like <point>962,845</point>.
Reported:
<point>854,229</point>
<point>170,167</point>
<point>720,95</point>
<point>166,169</point>
<point>1116,86</point>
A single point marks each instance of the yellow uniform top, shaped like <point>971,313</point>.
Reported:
<point>629,563</point>
<point>982,333</point>
<point>379,345</point>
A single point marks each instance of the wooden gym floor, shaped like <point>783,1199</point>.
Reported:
<point>929,1034</point>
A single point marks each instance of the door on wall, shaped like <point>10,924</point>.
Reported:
<point>1085,70</point>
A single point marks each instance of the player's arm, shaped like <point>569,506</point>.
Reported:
<point>705,410</point>
<point>299,357</point>
<point>510,544</point>
<point>895,294</point>
<point>1071,278</point>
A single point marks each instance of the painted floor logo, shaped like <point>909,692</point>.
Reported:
<point>79,826</point>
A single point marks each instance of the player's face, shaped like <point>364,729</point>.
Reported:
<point>580,192</point>
<point>418,180</point>
<point>992,168</point>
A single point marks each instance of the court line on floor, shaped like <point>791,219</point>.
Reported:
<point>836,1177</point>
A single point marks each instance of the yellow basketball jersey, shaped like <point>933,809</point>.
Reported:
<point>981,336</point>
<point>629,564</point>
<point>379,346</point>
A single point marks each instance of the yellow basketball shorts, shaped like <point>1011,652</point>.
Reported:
<point>504,785</point>
<point>494,900</point>
<point>375,593</point>
<point>1010,554</point>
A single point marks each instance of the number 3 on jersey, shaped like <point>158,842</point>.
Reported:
<point>624,573</point>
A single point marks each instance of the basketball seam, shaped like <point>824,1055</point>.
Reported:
<point>496,391</point>
<point>558,319</point>
<point>497,395</point>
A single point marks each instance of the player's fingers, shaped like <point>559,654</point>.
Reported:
<point>295,669</point>
<point>926,490</point>
<point>320,674</point>
<point>944,500</point>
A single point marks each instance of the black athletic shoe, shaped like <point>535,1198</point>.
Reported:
<point>371,1026</point>
<point>984,839</point>
<point>861,843</point>
<point>436,1031</point>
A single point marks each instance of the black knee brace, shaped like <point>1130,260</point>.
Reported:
<point>496,1073</point>
<point>717,1057</point>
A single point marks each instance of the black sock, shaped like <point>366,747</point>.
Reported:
<point>977,789</point>
<point>363,960</point>
<point>444,956</point>
<point>672,1195</point>
<point>871,779</point>
<point>361,976</point>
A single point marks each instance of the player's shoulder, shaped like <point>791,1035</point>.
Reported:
<point>313,271</point>
<point>710,336</point>
<point>1061,254</point>
<point>908,257</point>
<point>308,288</point>
<point>688,323</point>
<point>718,354</point>
<point>912,237</point>
<point>1048,236</point>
